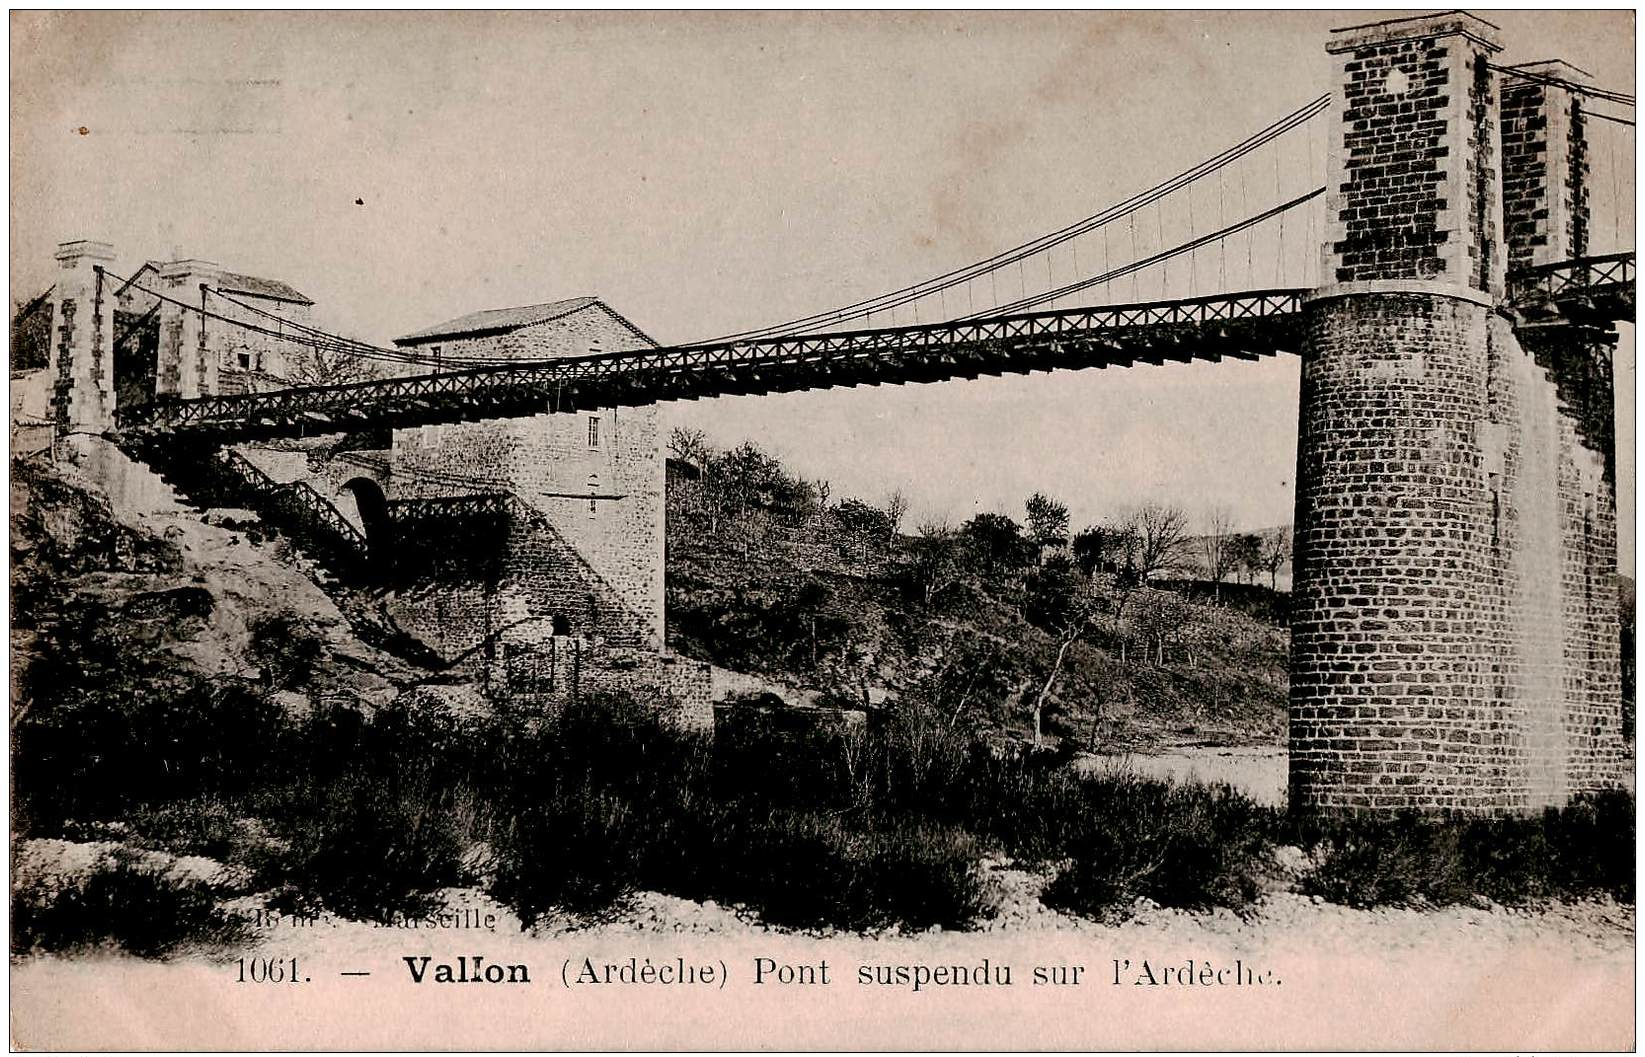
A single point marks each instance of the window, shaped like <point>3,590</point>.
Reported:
<point>594,432</point>
<point>245,361</point>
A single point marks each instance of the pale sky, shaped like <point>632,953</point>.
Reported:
<point>707,173</point>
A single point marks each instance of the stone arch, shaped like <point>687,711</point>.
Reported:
<point>373,507</point>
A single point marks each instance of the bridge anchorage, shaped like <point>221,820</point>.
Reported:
<point>1455,628</point>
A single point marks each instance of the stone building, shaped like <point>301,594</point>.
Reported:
<point>149,347</point>
<point>569,584</point>
<point>246,361</point>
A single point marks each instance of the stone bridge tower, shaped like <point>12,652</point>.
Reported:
<point>1454,635</point>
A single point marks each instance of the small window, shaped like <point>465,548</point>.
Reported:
<point>594,432</point>
<point>245,361</point>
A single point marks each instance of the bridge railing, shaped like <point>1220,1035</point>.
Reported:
<point>1581,277</point>
<point>1223,324</point>
<point>296,502</point>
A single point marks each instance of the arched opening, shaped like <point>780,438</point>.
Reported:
<point>561,625</point>
<point>373,507</point>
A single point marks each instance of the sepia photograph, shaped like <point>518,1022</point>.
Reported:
<point>822,530</point>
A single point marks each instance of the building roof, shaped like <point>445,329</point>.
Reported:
<point>273,289</point>
<point>507,320</point>
<point>500,320</point>
<point>229,282</point>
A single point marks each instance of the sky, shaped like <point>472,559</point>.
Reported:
<point>706,173</point>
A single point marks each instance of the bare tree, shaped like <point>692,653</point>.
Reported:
<point>937,563</point>
<point>1080,620</point>
<point>690,445</point>
<point>1161,539</point>
<point>1275,552</point>
<point>313,365</point>
<point>896,508</point>
<point>1217,547</point>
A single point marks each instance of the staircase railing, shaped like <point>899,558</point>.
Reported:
<point>299,507</point>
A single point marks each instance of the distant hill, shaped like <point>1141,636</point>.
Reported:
<point>764,578</point>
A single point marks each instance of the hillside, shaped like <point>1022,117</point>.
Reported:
<point>764,578</point>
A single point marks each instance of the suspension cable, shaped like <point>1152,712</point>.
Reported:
<point>1012,256</point>
<point>1571,86</point>
<point>1164,255</point>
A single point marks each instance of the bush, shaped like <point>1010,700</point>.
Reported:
<point>811,870</point>
<point>1583,849</point>
<point>1369,862</point>
<point>124,902</point>
<point>615,801</point>
<point>376,846</point>
<point>1187,846</point>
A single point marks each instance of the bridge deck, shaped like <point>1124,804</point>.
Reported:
<point>1243,325</point>
<point>1246,325</point>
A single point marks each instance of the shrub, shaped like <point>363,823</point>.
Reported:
<point>284,648</point>
<point>811,870</point>
<point>122,901</point>
<point>374,848</point>
<point>1583,849</point>
<point>1368,862</point>
<point>1591,844</point>
<point>1181,846</point>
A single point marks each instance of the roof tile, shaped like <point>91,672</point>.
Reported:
<point>498,320</point>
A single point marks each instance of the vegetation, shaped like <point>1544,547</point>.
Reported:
<point>1586,848</point>
<point>120,902</point>
<point>1078,638</point>
<point>895,821</point>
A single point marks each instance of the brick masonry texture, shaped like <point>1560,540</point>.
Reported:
<point>1454,631</point>
<point>1545,168</point>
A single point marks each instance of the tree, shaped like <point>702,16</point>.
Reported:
<point>1047,521</point>
<point>1051,592</point>
<point>936,562</point>
<point>1247,547</point>
<point>896,508</point>
<point>996,542</point>
<point>1160,539</point>
<point>312,365</point>
<point>1081,612</point>
<point>1275,552</point>
<point>1217,548</point>
<point>1092,547</point>
<point>690,445</point>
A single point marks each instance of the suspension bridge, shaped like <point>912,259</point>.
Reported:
<point>1007,336</point>
<point>1445,241</point>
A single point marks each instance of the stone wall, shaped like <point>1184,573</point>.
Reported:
<point>596,477</point>
<point>1545,166</point>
